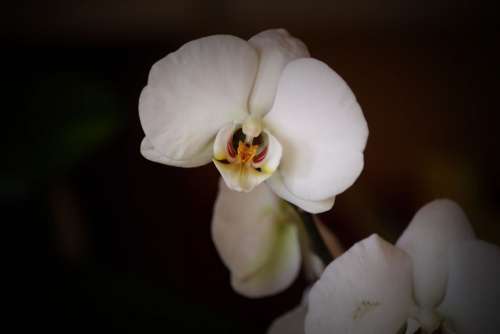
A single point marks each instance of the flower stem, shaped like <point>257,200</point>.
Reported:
<point>317,243</point>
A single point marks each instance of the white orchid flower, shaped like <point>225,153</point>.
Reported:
<point>262,241</point>
<point>260,110</point>
<point>438,276</point>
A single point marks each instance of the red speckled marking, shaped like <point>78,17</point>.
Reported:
<point>230,149</point>
<point>259,157</point>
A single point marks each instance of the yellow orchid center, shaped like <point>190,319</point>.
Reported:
<point>245,155</point>
<point>246,152</point>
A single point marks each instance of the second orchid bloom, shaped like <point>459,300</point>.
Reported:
<point>438,278</point>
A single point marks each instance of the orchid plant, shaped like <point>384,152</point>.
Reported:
<point>287,136</point>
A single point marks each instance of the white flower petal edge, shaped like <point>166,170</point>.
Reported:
<point>192,93</point>
<point>257,239</point>
<point>433,230</point>
<point>276,49</point>
<point>277,185</point>
<point>366,290</point>
<point>149,152</point>
<point>472,300</point>
<point>321,128</point>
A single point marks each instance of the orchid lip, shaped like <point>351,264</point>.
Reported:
<point>243,160</point>
<point>259,157</point>
<point>244,151</point>
<point>230,149</point>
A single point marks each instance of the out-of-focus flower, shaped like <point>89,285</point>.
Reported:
<point>261,239</point>
<point>260,110</point>
<point>428,280</point>
<point>439,276</point>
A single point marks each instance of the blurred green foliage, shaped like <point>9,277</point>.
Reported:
<point>58,120</point>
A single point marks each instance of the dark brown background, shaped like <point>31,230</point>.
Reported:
<point>109,240</point>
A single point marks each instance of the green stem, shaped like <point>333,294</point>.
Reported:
<point>317,244</point>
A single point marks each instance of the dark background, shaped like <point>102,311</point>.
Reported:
<point>106,240</point>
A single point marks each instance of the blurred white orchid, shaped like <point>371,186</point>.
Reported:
<point>261,239</point>
<point>437,276</point>
<point>260,110</point>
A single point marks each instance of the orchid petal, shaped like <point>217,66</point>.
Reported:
<point>291,322</point>
<point>192,93</point>
<point>366,290</point>
<point>321,127</point>
<point>433,229</point>
<point>149,152</point>
<point>277,185</point>
<point>412,326</point>
<point>256,236</point>
<point>276,48</point>
<point>472,300</point>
